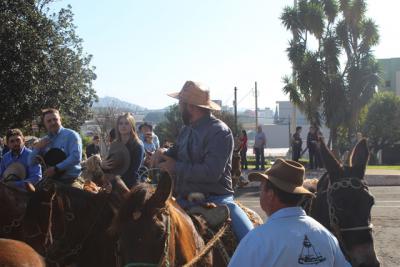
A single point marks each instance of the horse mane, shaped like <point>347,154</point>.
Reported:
<point>186,235</point>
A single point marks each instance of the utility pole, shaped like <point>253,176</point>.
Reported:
<point>255,96</point>
<point>235,110</point>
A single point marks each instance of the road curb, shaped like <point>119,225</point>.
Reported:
<point>372,180</point>
<point>383,180</point>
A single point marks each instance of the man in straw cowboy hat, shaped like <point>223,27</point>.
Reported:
<point>15,169</point>
<point>200,161</point>
<point>289,237</point>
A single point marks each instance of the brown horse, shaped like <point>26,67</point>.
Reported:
<point>79,223</point>
<point>15,253</point>
<point>343,205</point>
<point>24,217</point>
<point>154,230</point>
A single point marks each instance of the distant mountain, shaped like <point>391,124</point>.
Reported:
<point>109,101</point>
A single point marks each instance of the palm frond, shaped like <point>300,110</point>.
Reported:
<point>369,35</point>
<point>290,21</point>
<point>331,9</point>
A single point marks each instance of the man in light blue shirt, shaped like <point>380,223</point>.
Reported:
<point>19,154</point>
<point>67,140</point>
<point>289,237</point>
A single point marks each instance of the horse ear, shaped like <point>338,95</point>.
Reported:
<point>359,157</point>
<point>332,165</point>
<point>162,193</point>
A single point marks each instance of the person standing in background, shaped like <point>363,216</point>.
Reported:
<point>93,148</point>
<point>260,142</point>
<point>297,143</point>
<point>243,149</point>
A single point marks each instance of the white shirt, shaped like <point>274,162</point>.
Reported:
<point>260,140</point>
<point>289,238</point>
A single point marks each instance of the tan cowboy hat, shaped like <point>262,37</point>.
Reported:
<point>119,154</point>
<point>287,175</point>
<point>195,94</point>
<point>15,171</point>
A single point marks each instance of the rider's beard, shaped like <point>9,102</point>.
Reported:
<point>186,116</point>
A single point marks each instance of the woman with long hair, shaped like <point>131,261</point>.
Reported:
<point>126,133</point>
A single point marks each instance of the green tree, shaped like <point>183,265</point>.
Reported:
<point>324,88</point>
<point>168,129</point>
<point>381,122</point>
<point>42,65</point>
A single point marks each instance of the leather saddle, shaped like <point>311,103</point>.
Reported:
<point>214,216</point>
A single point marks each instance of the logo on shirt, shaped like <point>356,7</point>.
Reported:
<point>309,255</point>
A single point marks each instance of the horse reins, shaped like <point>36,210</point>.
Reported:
<point>164,257</point>
<point>70,216</point>
<point>167,246</point>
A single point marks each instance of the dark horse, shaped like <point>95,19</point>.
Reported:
<point>154,231</point>
<point>15,253</point>
<point>24,216</point>
<point>65,224</point>
<point>79,222</point>
<point>343,205</point>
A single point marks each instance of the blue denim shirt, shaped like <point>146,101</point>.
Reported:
<point>203,153</point>
<point>70,142</point>
<point>33,171</point>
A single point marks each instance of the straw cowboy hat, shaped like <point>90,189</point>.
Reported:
<point>287,175</point>
<point>15,171</point>
<point>196,94</point>
<point>119,154</point>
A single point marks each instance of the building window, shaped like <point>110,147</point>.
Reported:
<point>387,83</point>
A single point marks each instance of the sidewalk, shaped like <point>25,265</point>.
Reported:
<point>374,177</point>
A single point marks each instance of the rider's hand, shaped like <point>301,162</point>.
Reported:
<point>50,172</point>
<point>156,158</point>
<point>107,164</point>
<point>42,143</point>
<point>168,164</point>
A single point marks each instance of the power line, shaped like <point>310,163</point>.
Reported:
<point>246,95</point>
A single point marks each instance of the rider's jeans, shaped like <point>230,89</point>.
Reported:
<point>241,224</point>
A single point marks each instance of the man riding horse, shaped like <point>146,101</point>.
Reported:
<point>59,140</point>
<point>15,169</point>
<point>200,161</point>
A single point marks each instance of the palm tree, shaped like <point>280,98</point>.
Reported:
<point>323,88</point>
<point>357,35</point>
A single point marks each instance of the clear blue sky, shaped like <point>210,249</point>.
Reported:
<point>144,49</point>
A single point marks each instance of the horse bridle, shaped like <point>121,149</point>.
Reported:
<point>164,256</point>
<point>334,222</point>
<point>16,223</point>
<point>68,217</point>
<point>167,247</point>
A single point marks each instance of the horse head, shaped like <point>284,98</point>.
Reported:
<point>344,203</point>
<point>153,229</point>
<point>13,205</point>
<point>80,220</point>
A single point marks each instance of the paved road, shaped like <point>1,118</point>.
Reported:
<point>385,217</point>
